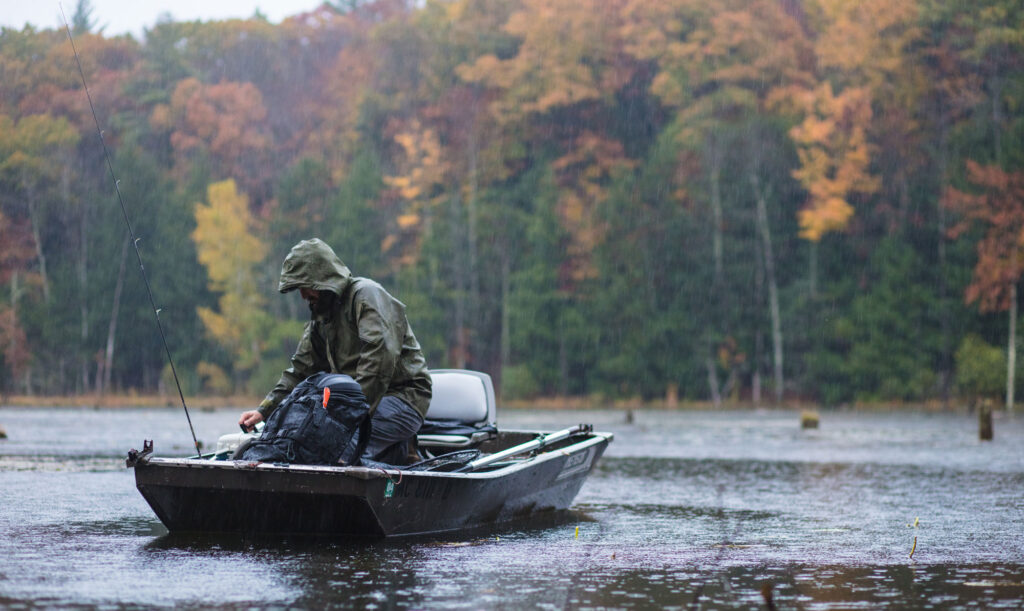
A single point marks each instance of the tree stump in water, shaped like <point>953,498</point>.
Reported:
<point>672,396</point>
<point>985,421</point>
<point>808,419</point>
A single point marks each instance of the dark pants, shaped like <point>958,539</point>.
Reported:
<point>395,424</point>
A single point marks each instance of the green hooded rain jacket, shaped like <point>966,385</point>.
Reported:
<point>365,335</point>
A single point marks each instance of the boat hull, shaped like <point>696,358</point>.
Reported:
<point>196,495</point>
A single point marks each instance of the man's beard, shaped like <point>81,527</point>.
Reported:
<point>323,304</point>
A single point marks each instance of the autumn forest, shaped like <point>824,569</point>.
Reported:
<point>756,200</point>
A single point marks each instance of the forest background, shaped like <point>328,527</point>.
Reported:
<point>759,200</point>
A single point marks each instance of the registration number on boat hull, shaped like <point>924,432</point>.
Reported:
<point>577,463</point>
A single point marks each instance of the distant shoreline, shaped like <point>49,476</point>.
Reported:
<point>208,402</point>
<point>126,401</point>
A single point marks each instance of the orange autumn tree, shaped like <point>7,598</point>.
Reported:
<point>570,62</point>
<point>998,206</point>
<point>583,175</point>
<point>570,53</point>
<point>340,91</point>
<point>866,83</point>
<point>34,155</point>
<point>870,46</point>
<point>15,254</point>
<point>225,121</point>
<point>540,92</point>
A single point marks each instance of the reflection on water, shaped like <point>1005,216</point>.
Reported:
<point>688,509</point>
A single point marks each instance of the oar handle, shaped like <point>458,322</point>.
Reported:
<point>533,444</point>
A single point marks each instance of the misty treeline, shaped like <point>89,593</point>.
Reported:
<point>742,199</point>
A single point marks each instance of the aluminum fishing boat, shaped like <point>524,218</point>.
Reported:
<point>474,475</point>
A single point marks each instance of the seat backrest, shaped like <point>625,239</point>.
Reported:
<point>462,395</point>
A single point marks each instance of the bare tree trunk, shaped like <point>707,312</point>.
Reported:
<point>1011,345</point>
<point>471,226</point>
<point>755,388</point>
<point>505,347</point>
<point>997,118</point>
<point>715,157</point>
<point>755,383</point>
<point>83,281</point>
<point>813,269</point>
<point>944,314</point>
<point>773,289</point>
<point>716,395</point>
<point>563,358</point>
<point>15,294</point>
<point>108,355</point>
<point>459,309</point>
<point>1011,349</point>
<point>37,238</point>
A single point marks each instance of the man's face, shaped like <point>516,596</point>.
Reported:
<point>310,295</point>
<point>319,301</point>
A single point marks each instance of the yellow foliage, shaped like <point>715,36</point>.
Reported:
<point>568,54</point>
<point>835,157</point>
<point>831,215</point>
<point>422,178</point>
<point>423,167</point>
<point>35,147</point>
<point>224,243</point>
<point>219,327</point>
<point>161,119</point>
<point>408,221</point>
<point>867,39</point>
<point>231,254</point>
<point>583,175</point>
<point>214,378</point>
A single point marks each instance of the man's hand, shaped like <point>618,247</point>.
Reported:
<point>250,419</point>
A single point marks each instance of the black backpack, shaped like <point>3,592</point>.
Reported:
<point>315,424</point>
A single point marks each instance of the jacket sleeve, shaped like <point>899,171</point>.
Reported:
<point>303,364</point>
<point>381,331</point>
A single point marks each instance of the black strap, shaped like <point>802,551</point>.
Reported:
<point>365,430</point>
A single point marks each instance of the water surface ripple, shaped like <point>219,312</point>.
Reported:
<point>689,509</point>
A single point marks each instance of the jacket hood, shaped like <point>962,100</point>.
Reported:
<point>313,264</point>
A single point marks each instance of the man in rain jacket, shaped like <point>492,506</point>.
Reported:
<point>358,329</point>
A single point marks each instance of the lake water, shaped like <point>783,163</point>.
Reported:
<point>692,509</point>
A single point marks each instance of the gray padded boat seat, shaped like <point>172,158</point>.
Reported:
<point>462,411</point>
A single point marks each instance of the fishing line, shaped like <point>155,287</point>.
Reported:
<point>135,241</point>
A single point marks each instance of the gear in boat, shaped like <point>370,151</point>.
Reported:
<point>462,416</point>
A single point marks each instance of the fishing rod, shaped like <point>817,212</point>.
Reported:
<point>131,232</point>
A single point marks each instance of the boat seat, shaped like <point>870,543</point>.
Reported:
<point>462,411</point>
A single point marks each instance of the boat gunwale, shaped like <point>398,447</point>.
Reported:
<point>371,473</point>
